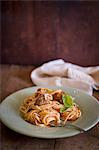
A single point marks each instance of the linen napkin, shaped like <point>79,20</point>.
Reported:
<point>64,74</point>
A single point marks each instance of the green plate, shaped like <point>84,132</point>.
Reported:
<point>10,115</point>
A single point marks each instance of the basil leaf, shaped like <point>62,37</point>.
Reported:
<point>62,110</point>
<point>67,100</point>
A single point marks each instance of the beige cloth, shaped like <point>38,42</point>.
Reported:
<point>60,73</point>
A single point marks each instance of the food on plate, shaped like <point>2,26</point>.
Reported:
<point>46,107</point>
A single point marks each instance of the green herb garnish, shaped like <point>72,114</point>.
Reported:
<point>62,110</point>
<point>67,101</point>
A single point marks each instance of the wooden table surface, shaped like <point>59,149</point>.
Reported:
<point>14,78</point>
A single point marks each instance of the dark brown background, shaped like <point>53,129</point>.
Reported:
<point>36,32</point>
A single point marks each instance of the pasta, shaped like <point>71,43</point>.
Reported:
<point>46,107</point>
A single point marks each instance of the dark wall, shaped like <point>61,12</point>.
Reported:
<point>36,32</point>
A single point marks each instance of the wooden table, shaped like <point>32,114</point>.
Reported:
<point>14,78</point>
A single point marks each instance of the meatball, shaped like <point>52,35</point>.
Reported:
<point>43,99</point>
<point>57,95</point>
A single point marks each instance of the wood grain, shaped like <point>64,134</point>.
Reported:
<point>36,32</point>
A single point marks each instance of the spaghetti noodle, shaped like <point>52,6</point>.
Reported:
<point>47,106</point>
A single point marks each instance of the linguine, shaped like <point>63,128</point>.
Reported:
<point>46,107</point>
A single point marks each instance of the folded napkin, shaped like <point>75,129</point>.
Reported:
<point>61,73</point>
